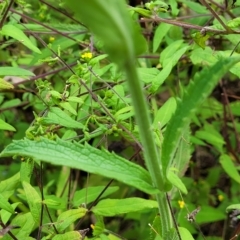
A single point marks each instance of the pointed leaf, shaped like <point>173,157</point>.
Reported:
<point>58,116</point>
<point>112,207</point>
<point>5,84</point>
<point>18,34</point>
<point>165,113</point>
<point>229,167</point>
<point>83,157</point>
<point>34,201</point>
<point>66,218</point>
<point>4,204</point>
<point>6,126</point>
<point>176,181</point>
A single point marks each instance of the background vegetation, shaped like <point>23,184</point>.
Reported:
<point>96,92</point>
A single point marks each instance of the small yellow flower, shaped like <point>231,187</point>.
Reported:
<point>87,55</point>
<point>51,39</point>
<point>181,204</point>
<point>220,197</point>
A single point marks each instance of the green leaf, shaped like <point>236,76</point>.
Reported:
<point>92,193</point>
<point>110,21</point>
<point>209,214</point>
<point>16,33</point>
<point>212,138</point>
<point>165,113</point>
<point>54,202</point>
<point>10,184</point>
<point>176,181</point>
<point>185,234</point>
<point>196,92</point>
<point>14,71</point>
<point>160,33</point>
<point>233,207</point>
<point>67,106</point>
<point>26,170</point>
<point>6,126</point>
<point>112,207</point>
<point>72,235</point>
<point>99,226</point>
<point>229,167</point>
<point>160,78</point>
<point>26,224</point>
<point>83,157</point>
<point>34,201</point>
<point>4,204</point>
<point>234,23</point>
<point>5,84</point>
<point>147,74</point>
<point>200,39</point>
<point>66,218</point>
<point>58,116</point>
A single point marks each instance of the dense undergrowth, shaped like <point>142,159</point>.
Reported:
<point>119,120</point>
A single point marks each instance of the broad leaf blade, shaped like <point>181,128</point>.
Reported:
<point>83,157</point>
<point>112,207</point>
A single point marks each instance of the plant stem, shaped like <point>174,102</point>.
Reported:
<point>151,153</point>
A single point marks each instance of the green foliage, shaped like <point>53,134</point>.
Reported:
<point>146,96</point>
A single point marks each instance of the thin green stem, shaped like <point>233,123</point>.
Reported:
<point>151,153</point>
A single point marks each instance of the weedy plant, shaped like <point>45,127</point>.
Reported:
<point>96,99</point>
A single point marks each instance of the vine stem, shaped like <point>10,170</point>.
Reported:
<point>151,153</point>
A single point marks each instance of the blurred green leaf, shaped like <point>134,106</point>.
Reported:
<point>15,71</point>
<point>6,126</point>
<point>229,167</point>
<point>18,34</point>
<point>121,37</point>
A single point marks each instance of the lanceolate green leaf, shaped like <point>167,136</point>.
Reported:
<point>15,71</point>
<point>112,207</point>
<point>66,218</point>
<point>34,201</point>
<point>197,91</point>
<point>83,157</point>
<point>18,34</point>
<point>58,116</point>
<point>229,167</point>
